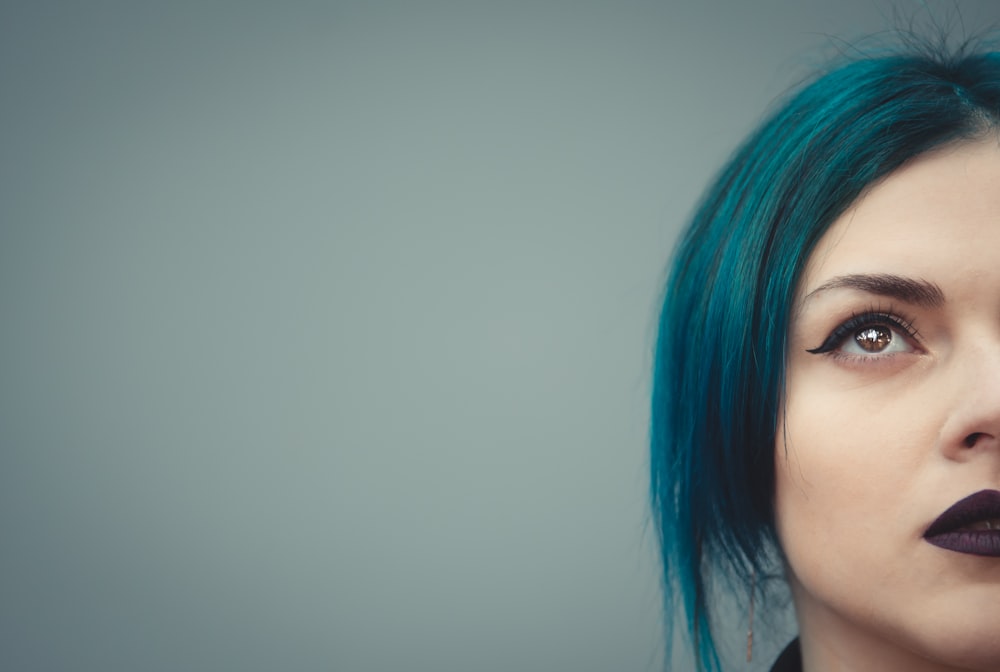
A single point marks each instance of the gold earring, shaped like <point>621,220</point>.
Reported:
<point>753,589</point>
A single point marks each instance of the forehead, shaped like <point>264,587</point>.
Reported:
<point>937,217</point>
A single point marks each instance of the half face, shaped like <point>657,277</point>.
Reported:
<point>891,417</point>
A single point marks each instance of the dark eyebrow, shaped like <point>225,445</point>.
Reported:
<point>918,292</point>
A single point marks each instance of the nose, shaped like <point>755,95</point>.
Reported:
<point>973,426</point>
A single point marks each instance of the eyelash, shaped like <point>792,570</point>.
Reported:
<point>869,318</point>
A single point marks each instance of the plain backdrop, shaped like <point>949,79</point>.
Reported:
<point>325,327</point>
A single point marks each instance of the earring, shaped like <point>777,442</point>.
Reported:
<point>753,589</point>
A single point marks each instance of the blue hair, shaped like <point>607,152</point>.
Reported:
<point>720,353</point>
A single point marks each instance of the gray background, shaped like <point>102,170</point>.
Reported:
<point>325,326</point>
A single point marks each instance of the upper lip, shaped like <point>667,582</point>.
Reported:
<point>979,506</point>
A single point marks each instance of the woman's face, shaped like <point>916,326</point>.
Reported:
<point>892,416</point>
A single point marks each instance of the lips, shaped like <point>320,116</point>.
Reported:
<point>970,525</point>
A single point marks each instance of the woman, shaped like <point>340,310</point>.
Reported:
<point>826,401</point>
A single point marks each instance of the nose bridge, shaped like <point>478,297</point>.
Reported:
<point>981,360</point>
<point>975,413</point>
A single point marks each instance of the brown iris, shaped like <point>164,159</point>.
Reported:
<point>873,339</point>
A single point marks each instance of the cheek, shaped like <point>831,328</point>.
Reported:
<point>840,468</point>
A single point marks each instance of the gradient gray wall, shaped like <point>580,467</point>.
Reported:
<point>325,326</point>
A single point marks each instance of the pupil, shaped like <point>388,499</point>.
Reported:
<point>873,339</point>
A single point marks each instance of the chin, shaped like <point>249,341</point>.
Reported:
<point>977,656</point>
<point>967,640</point>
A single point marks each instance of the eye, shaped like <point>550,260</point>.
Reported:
<point>874,339</point>
<point>870,334</point>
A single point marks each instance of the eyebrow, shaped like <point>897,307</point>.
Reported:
<point>918,292</point>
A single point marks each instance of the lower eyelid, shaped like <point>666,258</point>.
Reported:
<point>870,363</point>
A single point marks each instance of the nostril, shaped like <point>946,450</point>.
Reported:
<point>972,439</point>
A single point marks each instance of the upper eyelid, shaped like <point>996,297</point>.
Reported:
<point>862,310</point>
<point>882,292</point>
<point>874,315</point>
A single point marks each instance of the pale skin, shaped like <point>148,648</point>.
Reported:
<point>887,427</point>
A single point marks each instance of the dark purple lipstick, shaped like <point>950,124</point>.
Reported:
<point>970,525</point>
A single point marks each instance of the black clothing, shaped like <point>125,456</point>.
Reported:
<point>790,659</point>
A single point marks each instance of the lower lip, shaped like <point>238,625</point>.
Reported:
<point>980,542</point>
